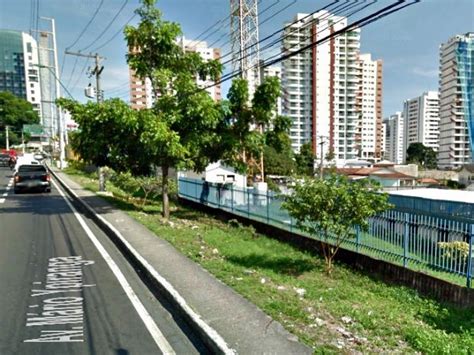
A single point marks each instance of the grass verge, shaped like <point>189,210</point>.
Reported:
<point>348,312</point>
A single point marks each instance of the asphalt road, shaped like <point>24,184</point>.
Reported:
<point>65,289</point>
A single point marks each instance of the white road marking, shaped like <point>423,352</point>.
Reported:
<point>5,194</point>
<point>150,324</point>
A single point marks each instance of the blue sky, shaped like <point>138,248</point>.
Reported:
<point>407,42</point>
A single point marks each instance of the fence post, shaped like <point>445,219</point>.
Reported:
<point>268,209</point>
<point>232,197</point>
<point>405,239</point>
<point>357,228</point>
<point>248,203</point>
<point>469,257</point>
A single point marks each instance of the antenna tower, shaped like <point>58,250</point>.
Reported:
<point>244,41</point>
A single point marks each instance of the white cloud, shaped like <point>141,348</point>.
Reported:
<point>426,72</point>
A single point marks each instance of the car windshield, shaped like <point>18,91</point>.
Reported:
<point>3,156</point>
<point>31,168</point>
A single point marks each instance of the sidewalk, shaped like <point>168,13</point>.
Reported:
<point>226,320</point>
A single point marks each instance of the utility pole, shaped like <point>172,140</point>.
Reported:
<point>97,71</point>
<point>6,138</point>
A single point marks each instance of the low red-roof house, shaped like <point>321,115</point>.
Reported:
<point>387,177</point>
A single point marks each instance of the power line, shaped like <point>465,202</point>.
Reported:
<point>82,72</point>
<point>87,25</point>
<point>348,15</point>
<point>333,12</point>
<point>116,34</point>
<point>108,26</point>
<point>72,72</point>
<point>388,10</point>
<point>279,31</point>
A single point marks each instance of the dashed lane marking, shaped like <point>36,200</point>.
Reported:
<point>5,194</point>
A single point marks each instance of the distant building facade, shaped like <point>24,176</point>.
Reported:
<point>141,91</point>
<point>456,100</point>
<point>394,128</point>
<point>331,92</point>
<point>371,108</point>
<point>421,121</point>
<point>19,70</point>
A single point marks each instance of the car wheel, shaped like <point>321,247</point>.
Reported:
<point>48,189</point>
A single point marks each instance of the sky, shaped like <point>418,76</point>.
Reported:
<point>407,42</point>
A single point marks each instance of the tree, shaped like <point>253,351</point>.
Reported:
<point>109,135</point>
<point>278,163</point>
<point>424,156</point>
<point>305,160</point>
<point>250,126</point>
<point>331,208</point>
<point>15,112</point>
<point>181,129</point>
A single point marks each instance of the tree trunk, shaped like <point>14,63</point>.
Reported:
<point>101,179</point>
<point>166,203</point>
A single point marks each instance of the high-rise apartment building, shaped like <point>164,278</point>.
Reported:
<point>371,108</point>
<point>421,121</point>
<point>19,71</point>
<point>456,102</point>
<point>324,90</point>
<point>141,93</point>
<point>394,138</point>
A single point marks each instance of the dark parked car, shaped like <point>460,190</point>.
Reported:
<point>4,159</point>
<point>32,177</point>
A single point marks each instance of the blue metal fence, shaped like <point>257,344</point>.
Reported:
<point>427,243</point>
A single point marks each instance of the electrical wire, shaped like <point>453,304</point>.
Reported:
<point>72,72</point>
<point>115,35</point>
<point>388,10</point>
<point>277,41</point>
<point>82,72</point>
<point>108,26</point>
<point>325,28</point>
<point>334,12</point>
<point>87,25</point>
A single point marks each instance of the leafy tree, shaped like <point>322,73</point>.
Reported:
<point>305,160</point>
<point>332,207</point>
<point>278,163</point>
<point>243,145</point>
<point>424,156</point>
<point>181,129</point>
<point>108,135</point>
<point>15,112</point>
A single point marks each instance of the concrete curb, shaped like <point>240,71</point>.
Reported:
<point>209,335</point>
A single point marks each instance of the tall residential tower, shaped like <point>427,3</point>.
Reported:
<point>421,115</point>
<point>456,102</point>
<point>331,93</point>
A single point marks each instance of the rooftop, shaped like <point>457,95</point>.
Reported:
<point>439,194</point>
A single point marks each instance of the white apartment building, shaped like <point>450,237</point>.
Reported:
<point>371,108</point>
<point>321,86</point>
<point>207,54</point>
<point>141,93</point>
<point>394,138</point>
<point>421,121</point>
<point>19,70</point>
<point>456,102</point>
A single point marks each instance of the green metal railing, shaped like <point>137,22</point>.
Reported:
<point>413,240</point>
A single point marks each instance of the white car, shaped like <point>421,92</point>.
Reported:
<point>26,159</point>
